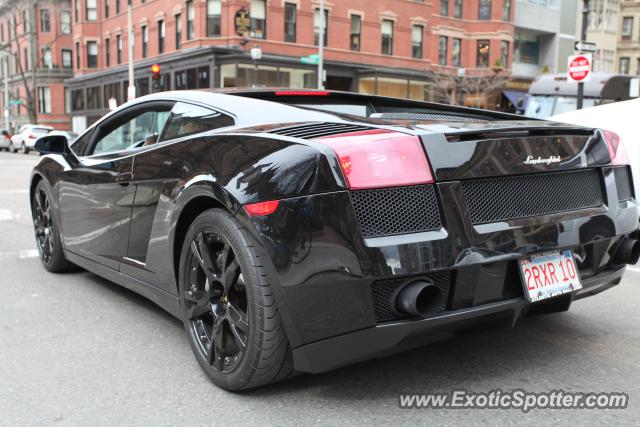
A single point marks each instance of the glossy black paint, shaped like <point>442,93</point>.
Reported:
<point>121,216</point>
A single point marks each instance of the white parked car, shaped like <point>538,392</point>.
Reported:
<point>5,139</point>
<point>26,138</point>
<point>618,117</point>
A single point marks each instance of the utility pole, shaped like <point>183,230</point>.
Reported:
<point>583,38</point>
<point>131,92</point>
<point>321,48</point>
<point>5,73</point>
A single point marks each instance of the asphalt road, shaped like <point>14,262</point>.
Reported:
<point>78,350</point>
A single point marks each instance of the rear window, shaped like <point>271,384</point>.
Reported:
<point>188,119</point>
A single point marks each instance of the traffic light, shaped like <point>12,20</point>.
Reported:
<point>156,78</point>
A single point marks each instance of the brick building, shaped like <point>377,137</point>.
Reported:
<point>388,47</point>
<point>36,58</point>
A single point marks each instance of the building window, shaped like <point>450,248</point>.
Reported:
<point>117,7</point>
<point>191,16</point>
<point>46,58</point>
<point>119,49</point>
<point>214,11</point>
<point>24,22</point>
<point>482,55</point>
<point>106,8</point>
<point>417,32</point>
<point>145,40</point>
<point>638,67</point>
<point>627,27</point>
<point>444,7</point>
<point>161,36</point>
<point>506,11</point>
<point>92,54</point>
<point>624,65</point>
<point>44,100</point>
<point>78,55</point>
<point>65,22</point>
<point>290,20</point>
<point>107,52</point>
<point>76,10</point>
<point>92,10</point>
<point>456,52</point>
<point>443,41</point>
<point>504,54</point>
<point>258,19</point>
<point>178,31</point>
<point>484,9</point>
<point>387,37</point>
<point>45,22</point>
<point>457,8</point>
<point>67,61</point>
<point>356,26</point>
<point>316,26</point>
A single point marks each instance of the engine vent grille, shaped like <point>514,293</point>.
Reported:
<point>624,184</point>
<point>318,130</point>
<point>424,116</point>
<point>505,198</point>
<point>384,290</point>
<point>389,211</point>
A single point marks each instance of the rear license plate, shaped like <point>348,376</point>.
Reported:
<point>548,275</point>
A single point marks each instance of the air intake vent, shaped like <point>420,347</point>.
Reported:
<point>624,183</point>
<point>402,210</point>
<point>318,130</point>
<point>384,291</point>
<point>424,116</point>
<point>511,197</point>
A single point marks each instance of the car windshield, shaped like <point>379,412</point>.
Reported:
<point>541,107</point>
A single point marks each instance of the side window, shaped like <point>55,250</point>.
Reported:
<point>187,119</point>
<point>80,144</point>
<point>139,131</point>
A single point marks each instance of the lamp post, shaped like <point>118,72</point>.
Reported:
<point>583,38</point>
<point>256,55</point>
<point>5,74</point>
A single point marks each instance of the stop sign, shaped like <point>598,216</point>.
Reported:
<point>579,69</point>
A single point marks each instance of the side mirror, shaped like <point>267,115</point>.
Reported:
<point>52,144</point>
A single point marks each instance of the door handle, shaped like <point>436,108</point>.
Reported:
<point>124,178</point>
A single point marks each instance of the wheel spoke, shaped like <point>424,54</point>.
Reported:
<point>203,256</point>
<point>230,275</point>
<point>201,307</point>
<point>216,351</point>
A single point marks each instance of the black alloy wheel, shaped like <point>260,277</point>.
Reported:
<point>43,224</point>
<point>216,302</point>
<point>229,308</point>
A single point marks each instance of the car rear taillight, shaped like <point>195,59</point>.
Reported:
<point>380,158</point>
<point>302,93</point>
<point>261,208</point>
<point>617,151</point>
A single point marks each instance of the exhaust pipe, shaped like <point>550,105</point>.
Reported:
<point>628,252</point>
<point>419,299</point>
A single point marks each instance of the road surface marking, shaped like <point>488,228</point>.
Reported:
<point>6,215</point>
<point>27,253</point>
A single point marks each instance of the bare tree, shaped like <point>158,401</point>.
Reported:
<point>17,11</point>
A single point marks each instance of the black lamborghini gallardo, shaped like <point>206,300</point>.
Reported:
<point>299,231</point>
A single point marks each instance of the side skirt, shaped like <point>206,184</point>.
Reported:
<point>166,301</point>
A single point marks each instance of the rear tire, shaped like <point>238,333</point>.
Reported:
<point>12,148</point>
<point>48,239</point>
<point>229,310</point>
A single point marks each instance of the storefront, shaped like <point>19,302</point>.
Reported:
<point>212,67</point>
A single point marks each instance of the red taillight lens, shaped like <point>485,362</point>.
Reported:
<point>380,159</point>
<point>617,151</point>
<point>302,93</point>
<point>261,208</point>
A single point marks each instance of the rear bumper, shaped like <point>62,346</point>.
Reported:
<point>391,338</point>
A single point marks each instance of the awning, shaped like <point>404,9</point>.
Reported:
<point>517,98</point>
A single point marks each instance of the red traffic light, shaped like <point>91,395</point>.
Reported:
<point>155,68</point>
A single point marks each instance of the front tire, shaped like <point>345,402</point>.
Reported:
<point>229,311</point>
<point>48,239</point>
<point>24,148</point>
